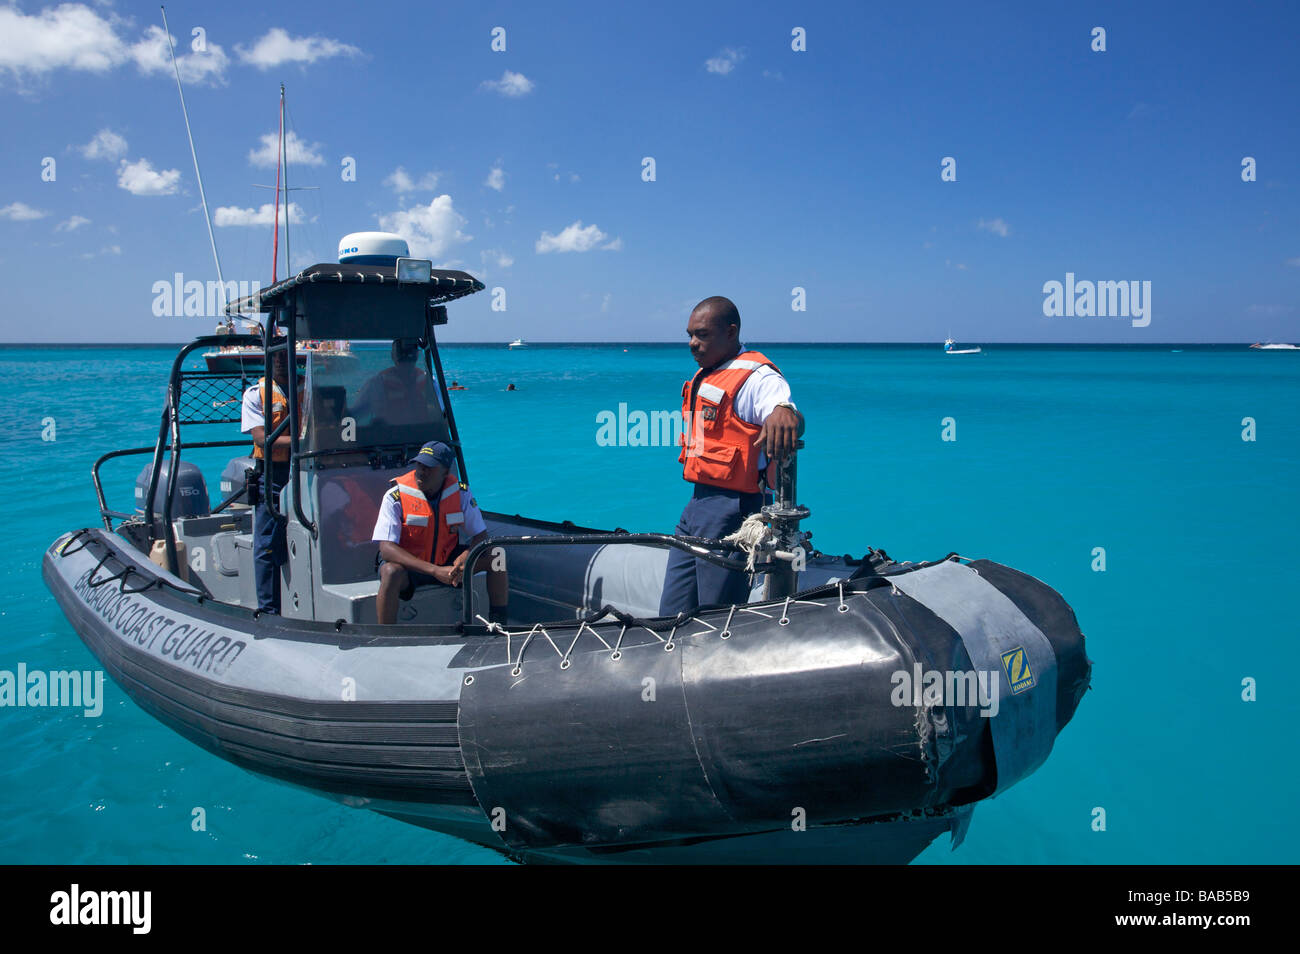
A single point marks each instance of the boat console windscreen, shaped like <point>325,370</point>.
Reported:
<point>371,393</point>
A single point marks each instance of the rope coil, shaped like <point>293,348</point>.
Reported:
<point>754,534</point>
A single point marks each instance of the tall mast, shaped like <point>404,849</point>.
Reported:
<point>197,175</point>
<point>275,232</point>
<point>288,261</point>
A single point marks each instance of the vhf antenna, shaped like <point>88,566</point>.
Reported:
<point>197,175</point>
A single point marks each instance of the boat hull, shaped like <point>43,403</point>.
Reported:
<point>734,738</point>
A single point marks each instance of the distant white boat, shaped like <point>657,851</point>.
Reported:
<point>949,349</point>
<point>1275,347</point>
<point>518,343</point>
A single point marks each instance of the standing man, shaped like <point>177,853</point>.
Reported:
<point>426,526</point>
<point>738,415</point>
<point>268,528</point>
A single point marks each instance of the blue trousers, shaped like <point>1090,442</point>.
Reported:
<point>690,582</point>
<point>269,549</point>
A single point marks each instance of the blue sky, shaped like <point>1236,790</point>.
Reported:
<point>774,168</point>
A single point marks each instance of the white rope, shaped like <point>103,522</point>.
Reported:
<point>753,533</point>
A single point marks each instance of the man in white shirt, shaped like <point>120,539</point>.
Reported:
<point>268,528</point>
<point>426,526</point>
<point>738,416</point>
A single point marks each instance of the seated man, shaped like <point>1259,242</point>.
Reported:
<point>426,525</point>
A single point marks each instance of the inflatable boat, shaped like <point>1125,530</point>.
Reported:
<point>851,711</point>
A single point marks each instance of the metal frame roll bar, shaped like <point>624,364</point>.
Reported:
<point>171,423</point>
<point>106,515</point>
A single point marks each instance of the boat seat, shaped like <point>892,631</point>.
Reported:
<point>431,605</point>
<point>346,512</point>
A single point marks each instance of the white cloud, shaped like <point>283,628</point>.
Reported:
<point>265,215</point>
<point>296,151</point>
<point>21,212</point>
<point>106,250</point>
<point>725,61</point>
<point>430,230</point>
<point>203,69</point>
<point>400,181</point>
<point>773,74</point>
<point>278,48</point>
<point>496,178</point>
<point>495,257</point>
<point>605,303</point>
<point>1294,262</point>
<point>72,224</point>
<point>106,145</point>
<point>575,238</point>
<point>69,36</point>
<point>73,36</point>
<point>996,226</point>
<point>510,84</point>
<point>613,246</point>
<point>140,178</point>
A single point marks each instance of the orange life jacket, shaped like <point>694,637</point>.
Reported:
<point>279,410</point>
<point>409,392</point>
<point>417,535</point>
<point>717,446</point>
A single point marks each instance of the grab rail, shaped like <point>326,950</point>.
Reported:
<point>106,515</point>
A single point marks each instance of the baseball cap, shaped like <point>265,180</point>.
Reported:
<point>433,454</point>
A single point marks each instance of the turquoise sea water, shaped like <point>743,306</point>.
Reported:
<point>1059,450</point>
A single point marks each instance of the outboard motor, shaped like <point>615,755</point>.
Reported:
<point>190,498</point>
<point>234,478</point>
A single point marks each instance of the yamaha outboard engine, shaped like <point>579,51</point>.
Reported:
<point>189,499</point>
<point>234,478</point>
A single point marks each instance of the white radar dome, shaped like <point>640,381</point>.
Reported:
<point>372,248</point>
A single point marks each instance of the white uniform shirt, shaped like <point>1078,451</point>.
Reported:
<point>388,526</point>
<point>251,414</point>
<point>760,394</point>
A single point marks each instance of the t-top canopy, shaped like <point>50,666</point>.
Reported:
<point>444,285</point>
<point>359,301</point>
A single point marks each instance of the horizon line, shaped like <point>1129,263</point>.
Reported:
<point>830,341</point>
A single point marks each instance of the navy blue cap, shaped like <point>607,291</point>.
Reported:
<point>434,454</point>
